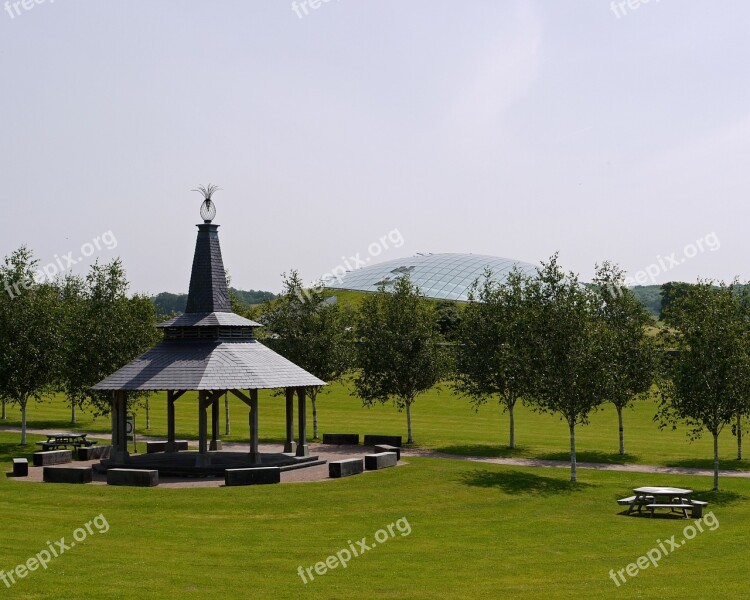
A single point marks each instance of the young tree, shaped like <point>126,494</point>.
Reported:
<point>630,353</point>
<point>311,332</point>
<point>708,382</point>
<point>567,346</point>
<point>108,330</point>
<point>494,355</point>
<point>398,353</point>
<point>30,333</point>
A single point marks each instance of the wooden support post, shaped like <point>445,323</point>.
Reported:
<point>170,422</point>
<point>290,446</point>
<point>203,459</point>
<point>215,433</point>
<point>119,422</point>
<point>254,426</point>
<point>302,447</point>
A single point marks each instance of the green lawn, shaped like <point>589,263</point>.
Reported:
<point>477,531</point>
<point>441,421</point>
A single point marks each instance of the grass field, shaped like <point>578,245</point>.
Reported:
<point>476,530</point>
<point>441,421</point>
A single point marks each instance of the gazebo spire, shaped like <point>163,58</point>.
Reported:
<point>208,291</point>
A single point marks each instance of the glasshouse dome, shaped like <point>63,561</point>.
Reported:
<point>438,276</point>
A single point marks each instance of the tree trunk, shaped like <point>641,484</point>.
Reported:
<point>313,400</point>
<point>573,452</point>
<point>5,414</point>
<point>622,430</point>
<point>512,444</point>
<point>23,421</point>
<point>73,412</point>
<point>716,462</point>
<point>410,439</point>
<point>739,436</point>
<point>227,428</point>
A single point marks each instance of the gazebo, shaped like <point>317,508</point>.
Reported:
<point>211,350</point>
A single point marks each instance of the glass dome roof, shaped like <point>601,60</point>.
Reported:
<point>438,276</point>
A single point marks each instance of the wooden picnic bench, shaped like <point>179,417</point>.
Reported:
<point>675,499</point>
<point>57,441</point>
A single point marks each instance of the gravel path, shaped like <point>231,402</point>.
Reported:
<point>329,453</point>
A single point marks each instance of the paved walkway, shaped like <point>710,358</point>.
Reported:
<point>337,452</point>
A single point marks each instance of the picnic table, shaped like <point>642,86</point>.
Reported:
<point>669,498</point>
<point>56,441</point>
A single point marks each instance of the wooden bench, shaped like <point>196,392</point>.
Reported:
<point>678,506</point>
<point>154,446</point>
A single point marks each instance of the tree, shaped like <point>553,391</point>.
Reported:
<point>494,355</point>
<point>630,353</point>
<point>305,328</point>
<point>670,292</point>
<point>398,352</point>
<point>708,382</point>
<point>108,330</point>
<point>30,332</point>
<point>567,346</point>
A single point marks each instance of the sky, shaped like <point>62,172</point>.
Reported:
<point>375,130</point>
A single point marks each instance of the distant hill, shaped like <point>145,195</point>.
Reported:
<point>168,304</point>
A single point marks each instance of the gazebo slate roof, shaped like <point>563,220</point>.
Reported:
<point>208,365</point>
<point>214,319</point>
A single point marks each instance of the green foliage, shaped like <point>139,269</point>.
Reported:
<point>105,329</point>
<point>708,382</point>
<point>670,292</point>
<point>495,356</point>
<point>399,354</point>
<point>567,341</point>
<point>311,332</point>
<point>449,316</point>
<point>629,354</point>
<point>168,304</point>
<point>30,332</point>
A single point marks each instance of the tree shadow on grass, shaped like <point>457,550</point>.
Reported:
<point>485,450</point>
<point>518,482</point>
<point>708,464</point>
<point>719,498</point>
<point>10,451</point>
<point>608,458</point>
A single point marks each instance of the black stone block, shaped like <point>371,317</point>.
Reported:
<point>344,468</point>
<point>261,475</point>
<point>68,474</point>
<point>391,440</point>
<point>373,462</point>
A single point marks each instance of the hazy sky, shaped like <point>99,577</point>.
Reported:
<point>507,127</point>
